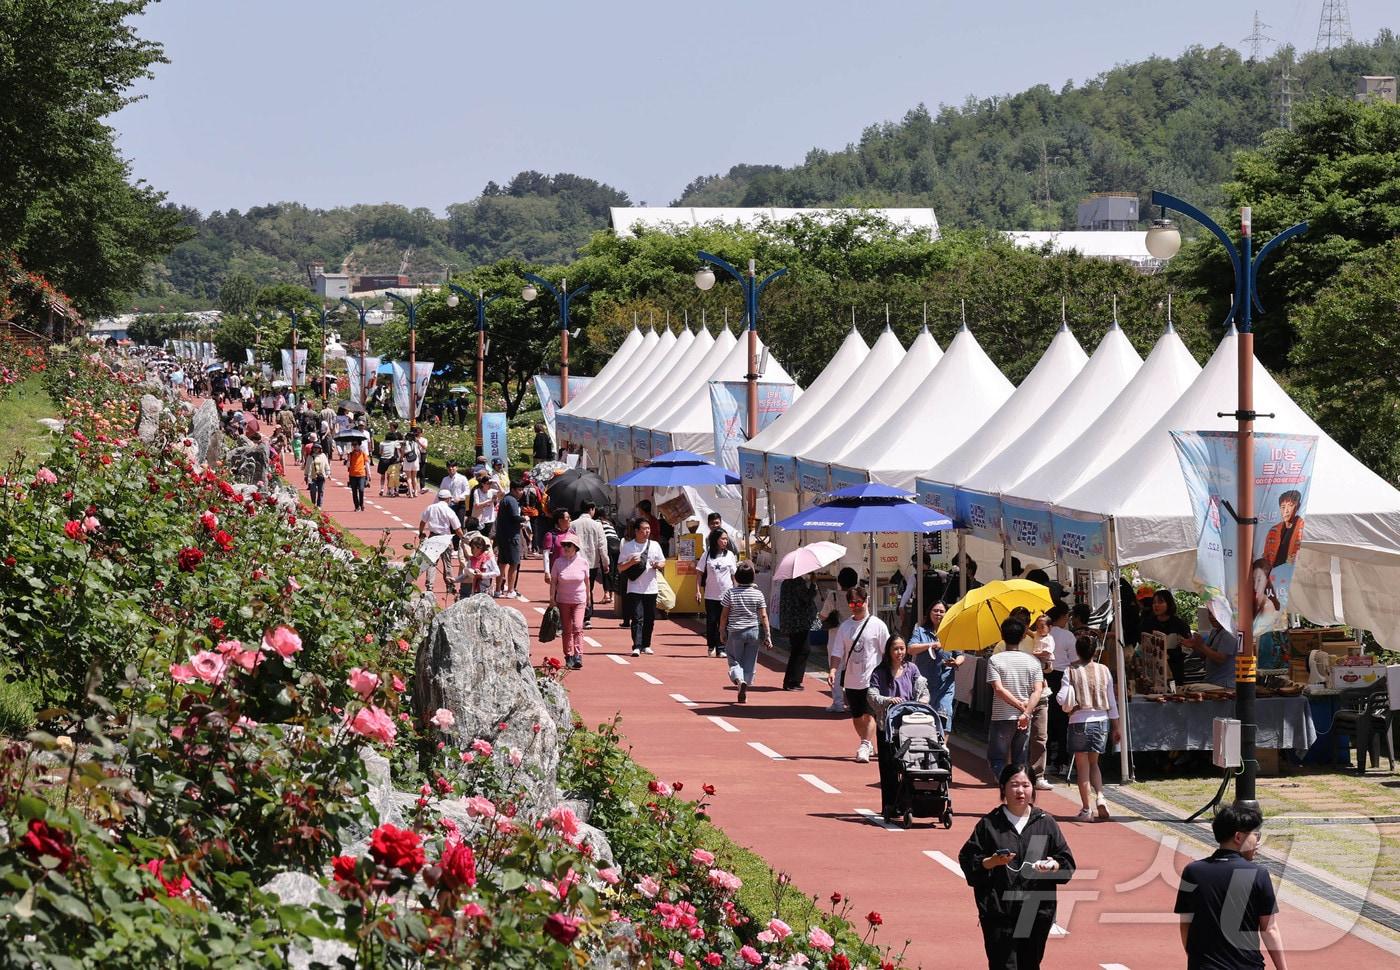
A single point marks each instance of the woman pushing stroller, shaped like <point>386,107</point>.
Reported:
<point>894,680</point>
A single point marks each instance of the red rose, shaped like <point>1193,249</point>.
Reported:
<point>41,840</point>
<point>189,559</point>
<point>74,530</point>
<point>458,866</point>
<point>343,867</point>
<point>562,928</point>
<point>874,918</point>
<point>707,788</point>
<point>179,886</point>
<point>396,848</point>
<point>836,899</point>
<point>223,540</point>
<point>839,962</point>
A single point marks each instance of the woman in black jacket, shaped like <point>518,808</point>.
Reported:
<point>1014,860</point>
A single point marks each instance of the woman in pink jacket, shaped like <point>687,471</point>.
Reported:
<point>568,590</point>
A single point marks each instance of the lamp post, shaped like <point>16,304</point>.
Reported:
<point>481,301</point>
<point>361,311</point>
<point>412,306</point>
<point>1163,242</point>
<point>293,314</point>
<point>563,297</point>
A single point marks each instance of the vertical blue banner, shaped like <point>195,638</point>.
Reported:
<point>660,443</point>
<point>729,414</point>
<point>493,428</point>
<point>782,473</point>
<point>842,477</point>
<point>1281,479</point>
<point>641,444</point>
<point>813,476</point>
<point>942,498</point>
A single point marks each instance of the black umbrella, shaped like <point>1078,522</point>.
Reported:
<point>353,407</point>
<point>571,489</point>
<point>354,434</point>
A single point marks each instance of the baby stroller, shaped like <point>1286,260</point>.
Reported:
<point>923,764</point>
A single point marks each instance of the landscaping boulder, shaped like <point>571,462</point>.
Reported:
<point>204,429</point>
<point>53,424</point>
<point>151,408</point>
<point>300,889</point>
<point>476,664</point>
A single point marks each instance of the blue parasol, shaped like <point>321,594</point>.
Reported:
<point>868,508</point>
<point>385,368</point>
<point>676,468</point>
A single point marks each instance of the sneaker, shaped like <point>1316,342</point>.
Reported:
<point>578,661</point>
<point>588,624</point>
<point>863,752</point>
<point>648,650</point>
<point>1102,807</point>
<point>744,695</point>
<point>1084,815</point>
<point>835,708</point>
<point>1042,785</point>
<point>636,652</point>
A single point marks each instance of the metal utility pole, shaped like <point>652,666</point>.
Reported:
<point>1285,95</point>
<point>1257,38</point>
<point>1334,26</point>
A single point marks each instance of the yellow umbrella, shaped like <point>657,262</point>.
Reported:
<point>974,621</point>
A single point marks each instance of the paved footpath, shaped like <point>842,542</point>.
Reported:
<point>788,788</point>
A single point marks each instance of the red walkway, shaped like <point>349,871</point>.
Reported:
<point>789,789</point>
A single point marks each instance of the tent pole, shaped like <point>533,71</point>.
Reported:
<point>962,564</point>
<point>921,614</point>
<point>1006,560</point>
<point>1116,598</point>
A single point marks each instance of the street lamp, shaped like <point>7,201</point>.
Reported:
<point>361,311</point>
<point>481,301</point>
<point>1163,241</point>
<point>412,306</point>
<point>293,314</point>
<point>563,297</point>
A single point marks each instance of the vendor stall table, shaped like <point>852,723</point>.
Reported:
<point>1284,723</point>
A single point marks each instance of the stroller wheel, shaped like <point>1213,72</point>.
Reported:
<point>947,820</point>
<point>908,820</point>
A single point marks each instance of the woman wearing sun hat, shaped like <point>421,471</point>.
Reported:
<point>568,591</point>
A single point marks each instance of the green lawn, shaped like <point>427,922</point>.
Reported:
<point>19,430</point>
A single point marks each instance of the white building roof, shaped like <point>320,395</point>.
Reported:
<point>627,219</point>
<point>1130,247</point>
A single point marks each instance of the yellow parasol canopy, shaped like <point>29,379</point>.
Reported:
<point>974,621</point>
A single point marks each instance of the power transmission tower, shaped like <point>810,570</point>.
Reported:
<point>1285,94</point>
<point>1334,26</point>
<point>1257,38</point>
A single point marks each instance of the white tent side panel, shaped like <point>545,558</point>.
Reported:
<point>844,363</point>
<point>679,391</point>
<point>689,350</point>
<point>608,372</point>
<point>637,379</point>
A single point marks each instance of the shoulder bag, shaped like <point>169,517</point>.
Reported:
<point>549,624</point>
<point>634,571</point>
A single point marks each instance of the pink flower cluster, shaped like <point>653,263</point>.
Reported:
<point>212,666</point>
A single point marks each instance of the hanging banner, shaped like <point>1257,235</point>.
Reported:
<point>752,470</point>
<point>781,471</point>
<point>980,514</point>
<point>842,477</point>
<point>1282,476</point>
<point>641,444</point>
<point>300,365</point>
<point>1028,528</point>
<point>813,477</point>
<point>493,428</point>
<point>660,443</point>
<point>423,372</point>
<point>547,388</point>
<point>361,384</point>
<point>1081,542</point>
<point>729,414</point>
<point>248,352</point>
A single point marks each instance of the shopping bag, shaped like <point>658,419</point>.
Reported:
<point>549,624</point>
<point>665,595</point>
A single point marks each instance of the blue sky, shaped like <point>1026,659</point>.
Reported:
<point>421,102</point>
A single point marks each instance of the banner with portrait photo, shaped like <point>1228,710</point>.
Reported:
<point>1281,477</point>
<point>361,384</point>
<point>729,415</point>
<point>422,372</point>
<point>547,389</point>
<point>287,356</point>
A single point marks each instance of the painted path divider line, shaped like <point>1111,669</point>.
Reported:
<point>947,863</point>
<point>539,610</point>
<point>766,751</point>
<point>722,724</point>
<point>621,661</point>
<point>593,643</point>
<point>820,785</point>
<point>647,677</point>
<point>875,818</point>
<point>682,699</point>
<point>1113,966</point>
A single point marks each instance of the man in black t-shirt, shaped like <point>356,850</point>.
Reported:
<point>509,519</point>
<point>1226,901</point>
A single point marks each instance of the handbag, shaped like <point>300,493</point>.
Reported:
<point>549,624</point>
<point>665,595</point>
<point>635,570</point>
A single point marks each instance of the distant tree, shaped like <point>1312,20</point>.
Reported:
<point>239,294</point>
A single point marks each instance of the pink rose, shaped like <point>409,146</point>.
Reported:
<point>565,821</point>
<point>482,747</point>
<point>702,858</point>
<point>724,880</point>
<point>481,807</point>
<point>91,525</point>
<point>442,719</point>
<point>676,957</point>
<point>363,682</point>
<point>779,929</point>
<point>398,684</point>
<point>609,875</point>
<point>515,757</point>
<point>45,477</point>
<point>209,666</point>
<point>182,674</point>
<point>374,723</point>
<point>473,911</point>
<point>648,887</point>
<point>283,641</point>
<point>750,955</point>
<point>820,939</point>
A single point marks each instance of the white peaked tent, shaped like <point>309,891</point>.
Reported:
<point>582,413</point>
<point>690,425</point>
<point>634,379</point>
<point>844,407</point>
<point>1056,370</point>
<point>1164,376</point>
<point>888,398</point>
<point>814,400</point>
<point>961,392</point>
<point>1105,375</point>
<point>685,379</point>
<point>630,405</point>
<point>615,364</point>
<point>1349,564</point>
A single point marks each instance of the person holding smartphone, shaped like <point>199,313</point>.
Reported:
<point>1014,861</point>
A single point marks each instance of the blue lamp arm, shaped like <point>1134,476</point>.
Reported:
<point>722,264</point>
<point>543,282</point>
<point>1264,252</point>
<point>1187,209</point>
<point>770,278</point>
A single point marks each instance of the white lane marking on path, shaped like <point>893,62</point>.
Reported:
<point>521,599</point>
<point>820,785</point>
<point>875,818</point>
<point>539,610</point>
<point>1113,966</point>
<point>946,863</point>
<point>592,643</point>
<point>620,661</point>
<point>647,677</point>
<point>722,724</point>
<point>1057,930</point>
<point>766,751</point>
<point>682,699</point>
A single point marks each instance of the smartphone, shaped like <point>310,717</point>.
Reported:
<point>1004,853</point>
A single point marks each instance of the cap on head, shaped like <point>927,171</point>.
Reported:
<point>444,493</point>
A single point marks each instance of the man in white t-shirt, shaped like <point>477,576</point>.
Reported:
<point>438,519</point>
<point>856,648</point>
<point>486,494</point>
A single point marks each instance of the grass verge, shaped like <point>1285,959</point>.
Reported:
<point>20,431</point>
